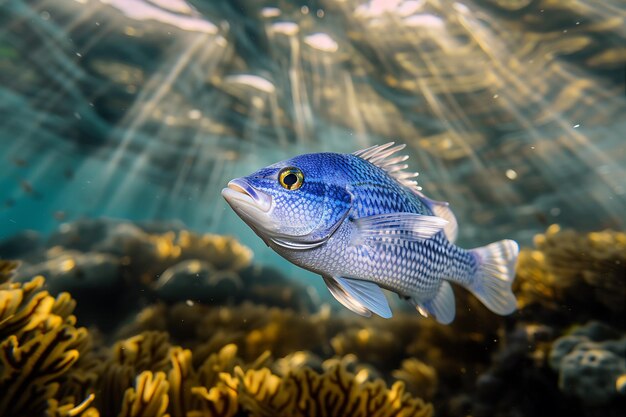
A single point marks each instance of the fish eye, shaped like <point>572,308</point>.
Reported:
<point>291,178</point>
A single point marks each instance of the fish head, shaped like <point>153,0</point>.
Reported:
<point>296,203</point>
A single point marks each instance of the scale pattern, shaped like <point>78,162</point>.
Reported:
<point>412,269</point>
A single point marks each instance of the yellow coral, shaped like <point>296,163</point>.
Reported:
<point>145,375</point>
<point>224,252</point>
<point>420,378</point>
<point>47,367</point>
<point>199,392</point>
<point>148,398</point>
<point>70,410</point>
<point>222,386</point>
<point>39,343</point>
<point>372,345</point>
<point>336,392</point>
<point>147,351</point>
<point>569,264</point>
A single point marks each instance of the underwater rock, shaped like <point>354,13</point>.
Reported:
<point>21,245</point>
<point>591,362</point>
<point>69,270</point>
<point>7,270</point>
<point>197,280</point>
<point>518,381</point>
<point>120,266</point>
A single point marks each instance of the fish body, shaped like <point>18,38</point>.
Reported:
<point>361,222</point>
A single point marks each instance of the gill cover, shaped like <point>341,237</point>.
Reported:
<point>336,206</point>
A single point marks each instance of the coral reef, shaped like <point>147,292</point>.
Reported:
<point>336,392</point>
<point>567,279</point>
<point>591,362</point>
<point>585,272</point>
<point>449,356</point>
<point>261,353</point>
<point>39,347</point>
<point>121,267</point>
<point>47,362</point>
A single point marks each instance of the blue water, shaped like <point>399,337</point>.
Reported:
<point>145,109</point>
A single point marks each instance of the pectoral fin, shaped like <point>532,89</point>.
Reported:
<point>396,228</point>
<point>362,297</point>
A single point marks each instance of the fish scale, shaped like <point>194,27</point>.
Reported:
<point>414,270</point>
<point>363,224</point>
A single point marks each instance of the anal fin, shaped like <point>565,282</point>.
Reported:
<point>442,306</point>
<point>362,297</point>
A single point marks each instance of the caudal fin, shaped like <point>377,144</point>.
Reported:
<point>496,271</point>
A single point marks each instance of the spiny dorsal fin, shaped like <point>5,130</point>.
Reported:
<point>395,167</point>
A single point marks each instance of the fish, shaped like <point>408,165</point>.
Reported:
<point>361,222</point>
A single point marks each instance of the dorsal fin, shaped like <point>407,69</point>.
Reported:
<point>379,155</point>
<point>395,167</point>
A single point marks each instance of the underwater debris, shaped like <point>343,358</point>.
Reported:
<point>591,362</point>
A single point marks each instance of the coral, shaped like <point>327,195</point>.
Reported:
<point>106,263</point>
<point>39,344</point>
<point>224,385</point>
<point>147,398</point>
<point>587,272</point>
<point>185,358</point>
<point>457,352</point>
<point>336,392</point>
<point>420,378</point>
<point>591,362</point>
<point>253,328</point>
<point>371,346</point>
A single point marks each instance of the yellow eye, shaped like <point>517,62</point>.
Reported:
<point>291,178</point>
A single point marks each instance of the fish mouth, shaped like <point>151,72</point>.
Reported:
<point>242,196</point>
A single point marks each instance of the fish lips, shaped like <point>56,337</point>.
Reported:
<point>243,197</point>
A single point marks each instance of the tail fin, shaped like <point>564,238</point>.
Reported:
<point>496,271</point>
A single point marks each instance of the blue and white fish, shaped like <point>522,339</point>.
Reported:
<point>362,223</point>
